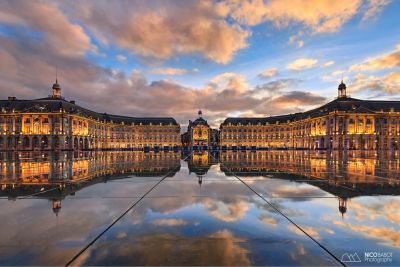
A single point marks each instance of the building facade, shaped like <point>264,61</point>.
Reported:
<point>199,132</point>
<point>53,123</point>
<point>344,123</point>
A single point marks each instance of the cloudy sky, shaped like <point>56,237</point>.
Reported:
<point>173,57</point>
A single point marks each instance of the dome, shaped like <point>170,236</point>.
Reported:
<point>56,85</point>
<point>342,209</point>
<point>342,86</point>
<point>200,121</point>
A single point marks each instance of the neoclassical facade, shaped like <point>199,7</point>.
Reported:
<point>344,123</point>
<point>53,123</point>
<point>199,132</point>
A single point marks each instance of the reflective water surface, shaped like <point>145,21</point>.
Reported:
<point>232,208</point>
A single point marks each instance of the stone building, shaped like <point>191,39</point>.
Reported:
<point>344,123</point>
<point>52,123</point>
<point>199,132</point>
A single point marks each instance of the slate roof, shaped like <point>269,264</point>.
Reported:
<point>55,104</point>
<point>347,104</point>
<point>199,121</point>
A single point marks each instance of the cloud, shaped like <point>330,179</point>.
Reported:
<point>388,84</point>
<point>268,73</point>
<point>121,58</point>
<point>308,229</point>
<point>386,235</point>
<point>227,211</point>
<point>316,16</point>
<point>269,220</point>
<point>386,61</point>
<point>169,222</point>
<point>296,39</point>
<point>228,81</point>
<point>59,33</point>
<point>333,75</point>
<point>302,64</point>
<point>92,85</point>
<point>160,30</point>
<point>375,7</point>
<point>172,71</point>
<point>328,63</point>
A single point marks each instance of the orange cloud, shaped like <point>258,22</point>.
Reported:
<point>169,222</point>
<point>163,32</point>
<point>227,212</point>
<point>61,35</point>
<point>268,73</point>
<point>172,71</point>
<point>318,16</point>
<point>268,220</point>
<point>302,64</point>
<point>308,229</point>
<point>386,61</point>
<point>388,84</point>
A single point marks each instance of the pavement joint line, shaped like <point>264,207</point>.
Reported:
<point>285,216</point>
<point>119,218</point>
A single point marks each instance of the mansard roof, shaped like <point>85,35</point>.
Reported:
<point>54,105</point>
<point>345,104</point>
<point>199,121</point>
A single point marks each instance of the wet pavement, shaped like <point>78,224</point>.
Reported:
<point>232,208</point>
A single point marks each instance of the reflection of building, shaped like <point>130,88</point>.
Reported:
<point>342,206</point>
<point>56,175</point>
<point>343,174</point>
<point>199,163</point>
<point>344,123</point>
<point>199,132</point>
<point>54,123</point>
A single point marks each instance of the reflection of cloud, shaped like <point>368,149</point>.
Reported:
<point>218,248</point>
<point>386,235</point>
<point>308,229</point>
<point>169,222</point>
<point>297,191</point>
<point>373,210</point>
<point>268,220</point>
<point>122,235</point>
<point>227,212</point>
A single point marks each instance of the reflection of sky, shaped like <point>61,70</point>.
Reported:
<point>178,223</point>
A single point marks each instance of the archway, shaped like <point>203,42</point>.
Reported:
<point>76,144</point>
<point>35,142</point>
<point>25,142</point>
<point>56,142</point>
<point>67,142</point>
<point>81,143</point>
<point>10,142</point>
<point>44,142</point>
<point>86,145</point>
